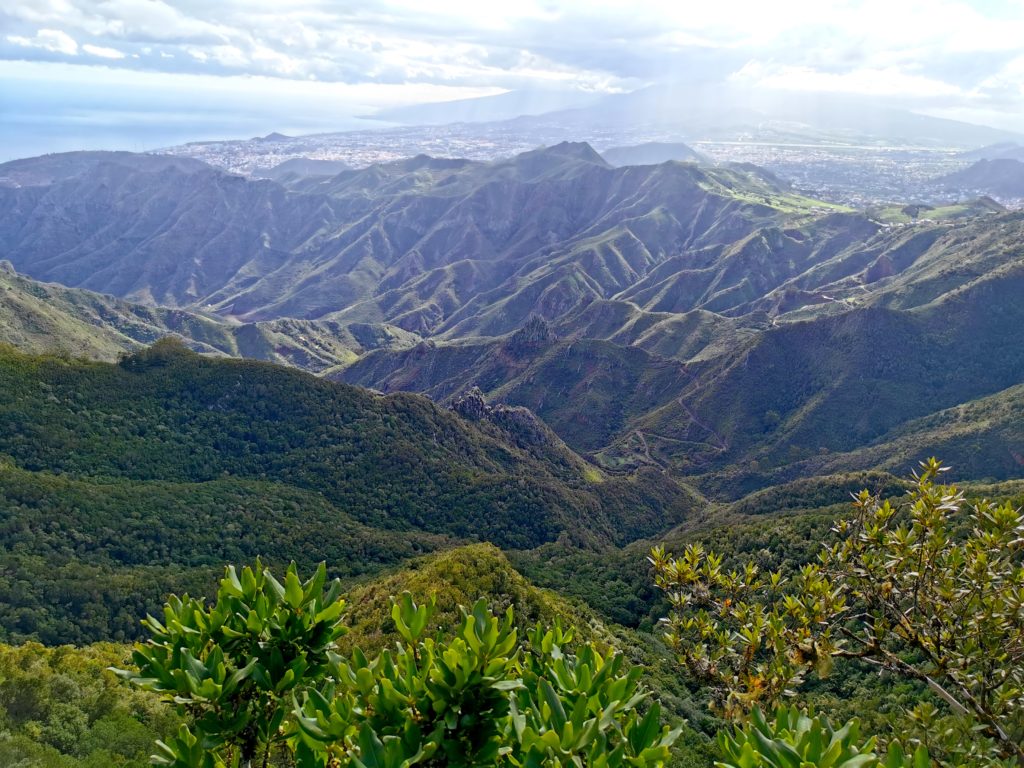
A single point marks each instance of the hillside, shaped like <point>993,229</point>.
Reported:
<point>49,318</point>
<point>136,471</point>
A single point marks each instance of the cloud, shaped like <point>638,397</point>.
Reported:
<point>52,40</point>
<point>959,51</point>
<point>102,51</point>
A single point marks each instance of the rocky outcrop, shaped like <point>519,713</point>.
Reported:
<point>528,339</point>
<point>517,422</point>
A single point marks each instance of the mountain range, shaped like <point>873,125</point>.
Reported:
<point>716,111</point>
<point>708,323</point>
<point>823,371</point>
<point>565,355</point>
<point>420,243</point>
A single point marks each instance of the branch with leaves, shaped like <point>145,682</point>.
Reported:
<point>931,588</point>
<point>749,638</point>
<point>233,666</point>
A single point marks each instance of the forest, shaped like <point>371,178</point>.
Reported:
<point>882,631</point>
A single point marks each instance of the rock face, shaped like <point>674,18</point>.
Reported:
<point>472,405</point>
<point>517,422</point>
<point>531,337</point>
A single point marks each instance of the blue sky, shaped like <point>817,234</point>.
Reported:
<point>142,73</point>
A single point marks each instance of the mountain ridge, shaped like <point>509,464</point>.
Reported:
<point>702,323</point>
<point>48,317</point>
<point>1001,177</point>
<point>345,244</point>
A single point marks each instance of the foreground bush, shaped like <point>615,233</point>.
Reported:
<point>931,589</point>
<point>794,738</point>
<point>258,676</point>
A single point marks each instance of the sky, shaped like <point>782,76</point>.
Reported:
<point>138,74</point>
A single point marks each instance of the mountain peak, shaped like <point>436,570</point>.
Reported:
<point>533,335</point>
<point>565,157</point>
<point>273,137</point>
<point>576,150</point>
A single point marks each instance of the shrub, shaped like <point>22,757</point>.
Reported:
<point>931,590</point>
<point>794,738</point>
<point>258,674</point>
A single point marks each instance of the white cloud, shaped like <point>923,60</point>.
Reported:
<point>126,19</point>
<point>102,51</point>
<point>52,40</point>
<point>959,51</point>
<point>228,55</point>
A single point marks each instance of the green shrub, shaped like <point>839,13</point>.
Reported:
<point>930,590</point>
<point>794,739</point>
<point>233,666</point>
<point>259,677</point>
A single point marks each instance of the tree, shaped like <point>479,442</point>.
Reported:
<point>931,588</point>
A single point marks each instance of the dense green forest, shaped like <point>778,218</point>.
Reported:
<point>152,473</point>
<point>63,707</point>
<point>123,483</point>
